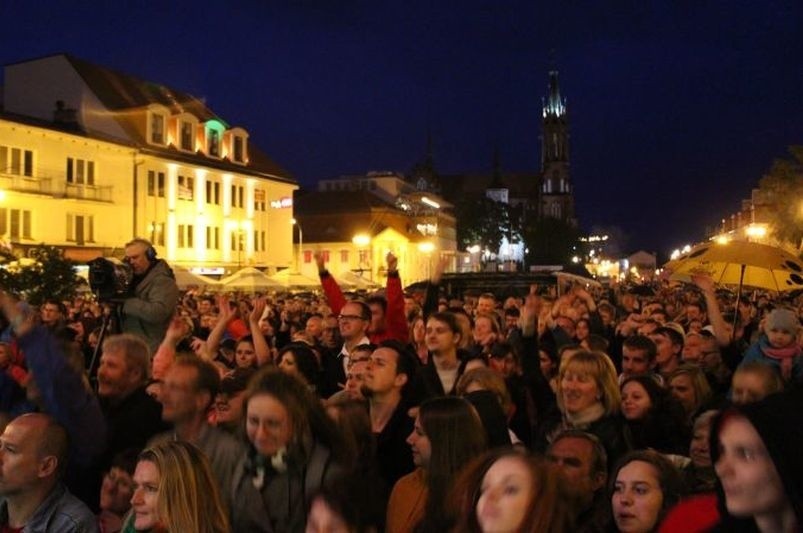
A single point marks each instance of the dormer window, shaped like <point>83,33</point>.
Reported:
<point>214,143</point>
<point>157,128</point>
<point>239,152</point>
<point>187,135</point>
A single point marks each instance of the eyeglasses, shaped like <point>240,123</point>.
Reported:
<point>349,317</point>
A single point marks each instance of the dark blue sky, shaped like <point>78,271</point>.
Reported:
<point>676,107</point>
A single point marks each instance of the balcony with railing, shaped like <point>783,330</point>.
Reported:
<point>57,187</point>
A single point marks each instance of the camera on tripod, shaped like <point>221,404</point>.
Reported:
<point>110,279</point>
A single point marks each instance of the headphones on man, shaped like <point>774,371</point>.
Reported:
<point>150,251</point>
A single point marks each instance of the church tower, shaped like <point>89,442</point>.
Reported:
<point>557,200</point>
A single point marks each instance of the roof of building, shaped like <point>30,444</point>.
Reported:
<point>118,91</point>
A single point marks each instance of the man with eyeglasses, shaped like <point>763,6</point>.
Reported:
<point>387,318</point>
<point>352,321</point>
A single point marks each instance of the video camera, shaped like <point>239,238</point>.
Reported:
<point>110,279</point>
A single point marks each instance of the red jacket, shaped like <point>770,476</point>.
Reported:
<point>395,321</point>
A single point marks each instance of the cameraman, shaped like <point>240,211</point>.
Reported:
<point>153,296</point>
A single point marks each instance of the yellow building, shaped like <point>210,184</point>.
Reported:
<point>90,158</point>
<point>355,221</point>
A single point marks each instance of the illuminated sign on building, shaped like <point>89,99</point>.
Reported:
<point>282,203</point>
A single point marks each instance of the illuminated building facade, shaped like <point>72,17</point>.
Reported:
<point>356,220</point>
<point>90,158</point>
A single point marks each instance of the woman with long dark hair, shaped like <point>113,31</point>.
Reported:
<point>447,434</point>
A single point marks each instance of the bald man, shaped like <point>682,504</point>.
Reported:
<point>33,457</point>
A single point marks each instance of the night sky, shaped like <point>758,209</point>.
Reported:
<point>676,111</point>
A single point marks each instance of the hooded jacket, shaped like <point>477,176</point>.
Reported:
<point>778,419</point>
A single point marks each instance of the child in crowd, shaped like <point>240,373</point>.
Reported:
<point>778,345</point>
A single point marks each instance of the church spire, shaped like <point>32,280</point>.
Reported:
<point>554,106</point>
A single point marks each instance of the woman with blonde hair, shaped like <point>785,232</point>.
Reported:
<point>589,399</point>
<point>175,491</point>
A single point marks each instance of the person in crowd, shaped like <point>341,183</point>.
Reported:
<point>779,346</point>
<point>189,390</point>
<point>754,381</point>
<point>698,474</point>
<point>447,434</point>
<point>116,492</point>
<point>485,333</point>
<point>756,456</point>
<point>508,490</point>
<point>445,367</point>
<point>386,315</point>
<point>389,386</point>
<point>668,347</point>
<point>689,385</point>
<point>638,358</point>
<point>132,415</point>
<point>175,491</point>
<point>353,322</point>
<point>297,358</point>
<point>229,400</point>
<point>355,375</point>
<point>294,449</point>
<point>653,417</point>
<point>418,339</point>
<point>644,486</point>
<point>154,294</point>
<point>346,507</point>
<point>33,457</point>
<point>53,315</point>
<point>589,399</point>
<point>582,464</point>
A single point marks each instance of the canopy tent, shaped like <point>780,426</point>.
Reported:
<point>249,279</point>
<point>294,280</point>
<point>186,279</point>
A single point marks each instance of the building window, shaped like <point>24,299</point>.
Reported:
<point>234,196</point>
<point>156,183</point>
<point>214,143</point>
<point>344,256</point>
<point>213,193</point>
<point>363,257</point>
<point>80,171</point>
<point>157,129</point>
<point>181,235</point>
<point>80,228</point>
<point>241,195</point>
<point>16,161</point>
<point>259,200</point>
<point>186,136</point>
<point>158,233</point>
<point>18,224</point>
<point>263,239</point>
<point>186,186</point>
<point>238,149</point>
<point>212,238</point>
<point>307,256</point>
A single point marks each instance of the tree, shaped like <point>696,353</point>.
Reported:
<point>484,222</point>
<point>783,190</point>
<point>45,273</point>
<point>551,241</point>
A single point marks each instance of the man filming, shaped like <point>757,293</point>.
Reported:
<point>153,295</point>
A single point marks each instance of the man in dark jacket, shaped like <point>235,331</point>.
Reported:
<point>154,296</point>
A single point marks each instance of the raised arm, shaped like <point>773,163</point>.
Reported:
<point>225,315</point>
<point>261,346</point>
<point>706,285</point>
<point>334,296</point>
<point>394,317</point>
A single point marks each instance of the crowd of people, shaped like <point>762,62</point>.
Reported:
<point>658,407</point>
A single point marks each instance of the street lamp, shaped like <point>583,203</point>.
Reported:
<point>297,224</point>
<point>361,240</point>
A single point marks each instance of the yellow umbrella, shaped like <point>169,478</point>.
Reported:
<point>740,263</point>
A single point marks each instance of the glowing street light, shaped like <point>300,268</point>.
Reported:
<point>431,203</point>
<point>296,223</point>
<point>426,247</point>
